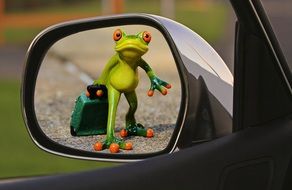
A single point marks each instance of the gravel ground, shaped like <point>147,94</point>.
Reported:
<point>59,85</point>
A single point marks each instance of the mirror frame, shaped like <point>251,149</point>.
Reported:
<point>35,55</point>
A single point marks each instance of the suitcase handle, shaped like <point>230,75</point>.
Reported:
<point>96,91</point>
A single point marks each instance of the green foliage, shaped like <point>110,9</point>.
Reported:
<point>20,35</point>
<point>149,6</point>
<point>209,21</point>
<point>19,156</point>
<point>20,6</point>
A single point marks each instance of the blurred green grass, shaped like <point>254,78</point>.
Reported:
<point>17,36</point>
<point>88,6</point>
<point>19,156</point>
<point>208,21</point>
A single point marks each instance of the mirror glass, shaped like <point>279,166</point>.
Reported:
<point>76,116</point>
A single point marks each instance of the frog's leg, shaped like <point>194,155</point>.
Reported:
<point>133,103</point>
<point>133,128</point>
<point>113,101</point>
<point>111,140</point>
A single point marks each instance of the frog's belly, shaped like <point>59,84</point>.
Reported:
<point>124,79</point>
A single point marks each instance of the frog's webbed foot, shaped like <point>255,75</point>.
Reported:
<point>113,144</point>
<point>136,129</point>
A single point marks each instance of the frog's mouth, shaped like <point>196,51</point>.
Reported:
<point>131,46</point>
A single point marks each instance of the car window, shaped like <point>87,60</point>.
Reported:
<point>22,20</point>
<point>280,16</point>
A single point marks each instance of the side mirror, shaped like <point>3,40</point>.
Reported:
<point>77,71</point>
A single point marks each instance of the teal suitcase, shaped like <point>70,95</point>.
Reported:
<point>89,116</point>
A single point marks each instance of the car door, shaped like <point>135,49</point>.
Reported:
<point>256,155</point>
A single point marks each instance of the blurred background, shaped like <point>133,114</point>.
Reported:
<point>21,20</point>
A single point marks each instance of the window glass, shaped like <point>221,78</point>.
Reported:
<point>280,16</point>
<point>22,20</point>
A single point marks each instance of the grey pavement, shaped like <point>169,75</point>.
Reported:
<point>91,50</point>
<point>57,89</point>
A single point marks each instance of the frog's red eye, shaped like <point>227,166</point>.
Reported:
<point>117,35</point>
<point>146,36</point>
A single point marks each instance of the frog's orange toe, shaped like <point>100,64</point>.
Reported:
<point>99,93</point>
<point>150,93</point>
<point>168,86</point>
<point>164,92</point>
<point>149,133</point>
<point>128,146</point>
<point>87,93</point>
<point>114,148</point>
<point>97,146</point>
<point>123,133</point>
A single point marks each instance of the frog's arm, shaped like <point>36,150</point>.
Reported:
<point>106,71</point>
<point>156,83</point>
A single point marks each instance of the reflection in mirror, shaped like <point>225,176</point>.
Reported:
<point>76,61</point>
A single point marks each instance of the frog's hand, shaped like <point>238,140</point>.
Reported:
<point>158,84</point>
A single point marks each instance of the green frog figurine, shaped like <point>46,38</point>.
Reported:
<point>120,75</point>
